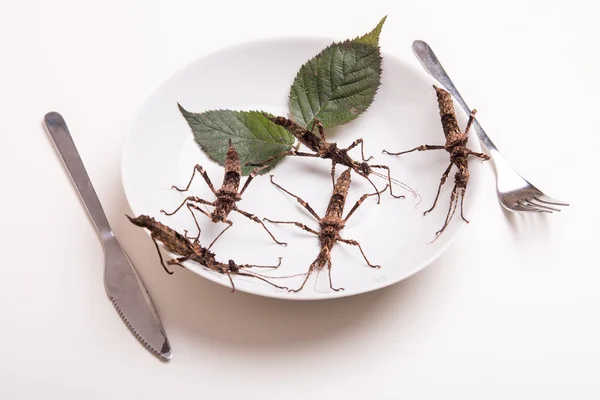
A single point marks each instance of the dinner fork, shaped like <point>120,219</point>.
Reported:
<point>515,193</point>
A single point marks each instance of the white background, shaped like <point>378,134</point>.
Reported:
<point>510,311</point>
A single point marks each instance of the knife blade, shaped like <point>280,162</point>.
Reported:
<point>123,284</point>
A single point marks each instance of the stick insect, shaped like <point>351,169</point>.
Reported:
<point>456,145</point>
<point>331,225</point>
<point>329,150</point>
<point>187,250</point>
<point>226,197</point>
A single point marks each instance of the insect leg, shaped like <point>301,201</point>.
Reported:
<point>262,266</point>
<point>190,206</point>
<point>320,128</point>
<point>292,152</point>
<point>329,274</point>
<point>310,270</point>
<point>268,160</point>
<point>298,224</point>
<point>189,198</point>
<point>178,261</point>
<point>442,181</point>
<point>372,184</point>
<point>360,201</point>
<point>471,120</point>
<point>302,154</point>
<point>250,177</point>
<point>355,243</point>
<point>418,148</point>
<point>451,210</point>
<point>222,232</point>
<point>484,157</point>
<point>258,221</point>
<point>197,168</point>
<point>230,281</point>
<point>462,198</point>
<point>162,262</point>
<point>389,177</point>
<point>362,149</point>
<point>302,202</point>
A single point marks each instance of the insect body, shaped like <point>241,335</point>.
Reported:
<point>226,197</point>
<point>330,225</point>
<point>193,251</point>
<point>456,145</point>
<point>329,150</point>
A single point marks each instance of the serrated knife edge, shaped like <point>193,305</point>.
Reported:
<point>128,294</point>
<point>163,353</point>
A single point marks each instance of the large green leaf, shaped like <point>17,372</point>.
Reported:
<point>254,137</point>
<point>339,83</point>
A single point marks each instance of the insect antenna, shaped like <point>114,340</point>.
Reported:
<point>262,279</point>
<point>317,281</point>
<point>398,183</point>
<point>275,277</point>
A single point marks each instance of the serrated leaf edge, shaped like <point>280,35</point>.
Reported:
<point>242,112</point>
<point>344,43</point>
<point>220,162</point>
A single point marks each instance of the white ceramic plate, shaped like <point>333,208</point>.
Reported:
<point>160,152</point>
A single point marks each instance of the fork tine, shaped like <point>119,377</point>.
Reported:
<point>539,206</point>
<point>549,200</point>
<point>523,209</point>
<point>527,206</point>
<point>533,201</point>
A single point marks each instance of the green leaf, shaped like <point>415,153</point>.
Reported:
<point>340,83</point>
<point>254,137</point>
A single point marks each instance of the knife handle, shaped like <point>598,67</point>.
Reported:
<point>57,127</point>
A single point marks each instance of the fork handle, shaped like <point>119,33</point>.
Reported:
<point>433,66</point>
<point>57,127</point>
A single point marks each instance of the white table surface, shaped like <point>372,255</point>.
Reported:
<point>510,311</point>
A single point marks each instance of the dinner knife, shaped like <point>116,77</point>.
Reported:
<point>123,284</point>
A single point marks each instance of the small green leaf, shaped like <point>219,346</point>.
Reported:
<point>254,137</point>
<point>340,83</point>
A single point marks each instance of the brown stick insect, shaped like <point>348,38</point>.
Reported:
<point>187,250</point>
<point>329,150</point>
<point>226,197</point>
<point>456,145</point>
<point>331,224</point>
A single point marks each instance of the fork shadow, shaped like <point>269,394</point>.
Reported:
<point>204,312</point>
<point>524,224</point>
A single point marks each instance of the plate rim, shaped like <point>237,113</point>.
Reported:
<point>282,295</point>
